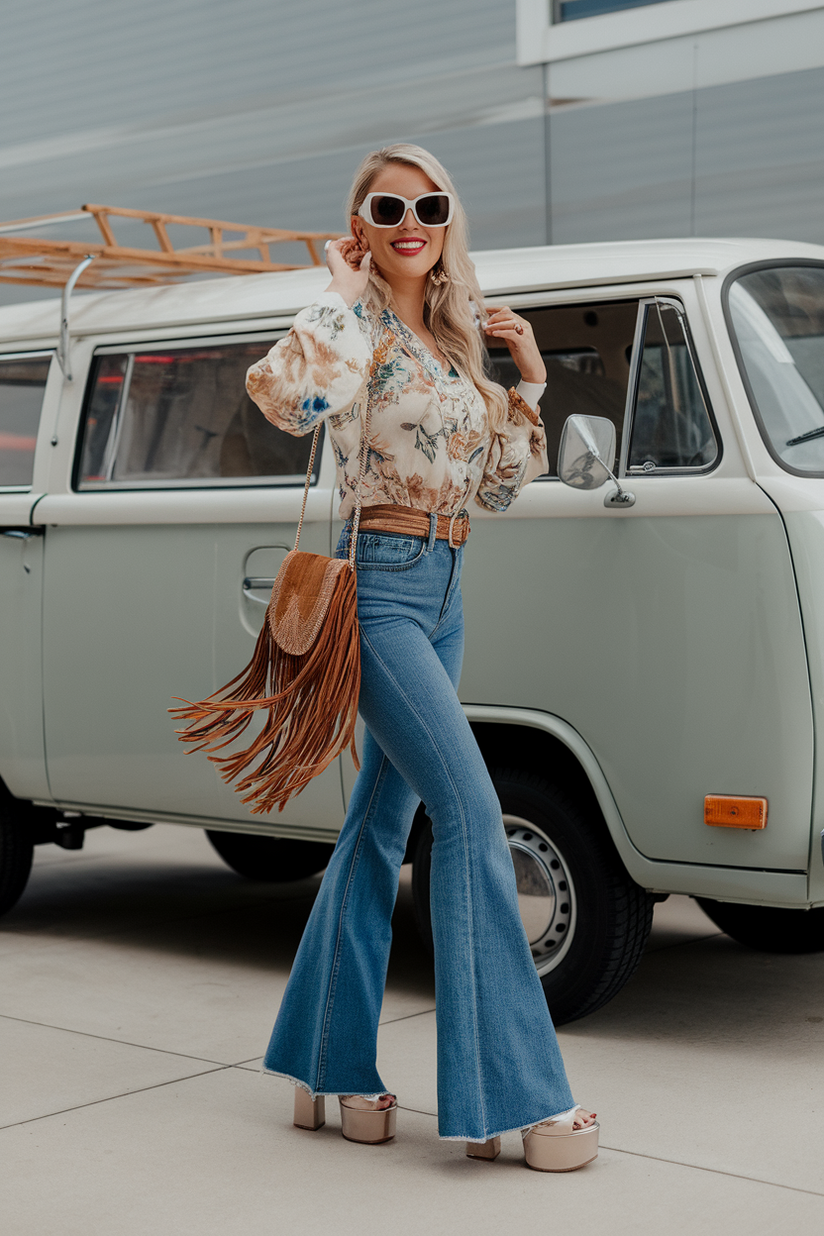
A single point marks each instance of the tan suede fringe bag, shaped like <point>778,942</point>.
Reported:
<point>305,671</point>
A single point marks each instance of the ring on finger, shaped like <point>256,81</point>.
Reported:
<point>519,330</point>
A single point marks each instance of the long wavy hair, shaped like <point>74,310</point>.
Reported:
<point>453,310</point>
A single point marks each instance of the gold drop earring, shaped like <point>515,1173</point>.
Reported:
<point>438,274</point>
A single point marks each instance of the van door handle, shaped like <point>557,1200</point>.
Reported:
<point>258,583</point>
<point>24,533</point>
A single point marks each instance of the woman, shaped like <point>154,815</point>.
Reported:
<point>396,341</point>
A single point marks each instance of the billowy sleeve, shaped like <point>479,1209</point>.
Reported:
<point>517,455</point>
<point>318,371</point>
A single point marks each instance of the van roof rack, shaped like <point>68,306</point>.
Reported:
<point>51,263</point>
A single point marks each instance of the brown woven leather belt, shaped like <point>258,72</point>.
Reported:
<point>408,521</point>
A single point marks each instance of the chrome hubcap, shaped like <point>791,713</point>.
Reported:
<point>546,894</point>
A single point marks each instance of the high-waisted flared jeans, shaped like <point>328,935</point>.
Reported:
<point>499,1065</point>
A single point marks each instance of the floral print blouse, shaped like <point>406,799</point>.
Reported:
<point>429,442</point>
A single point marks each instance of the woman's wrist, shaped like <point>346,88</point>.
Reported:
<point>536,376</point>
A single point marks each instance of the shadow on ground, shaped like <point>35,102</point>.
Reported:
<point>693,985</point>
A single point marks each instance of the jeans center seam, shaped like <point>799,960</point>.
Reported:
<point>458,800</point>
<point>330,995</point>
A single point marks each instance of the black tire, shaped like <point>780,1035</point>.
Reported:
<point>277,860</point>
<point>589,922</point>
<point>768,929</point>
<point>16,849</point>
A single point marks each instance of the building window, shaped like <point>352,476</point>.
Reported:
<point>573,10</point>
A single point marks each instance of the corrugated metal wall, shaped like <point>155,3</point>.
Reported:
<point>744,159</point>
<point>259,110</point>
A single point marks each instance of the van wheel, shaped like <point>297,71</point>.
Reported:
<point>766,928</point>
<point>274,859</point>
<point>587,922</point>
<point>16,850</point>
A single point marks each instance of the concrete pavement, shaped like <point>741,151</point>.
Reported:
<point>139,979</point>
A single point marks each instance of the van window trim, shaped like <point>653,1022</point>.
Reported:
<point>200,340</point>
<point>182,484</point>
<point>26,354</point>
<point>588,299</point>
<point>733,277</point>
<point>644,304</point>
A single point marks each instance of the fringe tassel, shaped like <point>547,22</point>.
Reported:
<point>311,699</point>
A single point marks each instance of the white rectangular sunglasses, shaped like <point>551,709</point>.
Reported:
<point>389,209</point>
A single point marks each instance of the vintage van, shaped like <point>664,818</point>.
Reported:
<point>644,663</point>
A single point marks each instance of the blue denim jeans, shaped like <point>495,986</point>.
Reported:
<point>499,1065</point>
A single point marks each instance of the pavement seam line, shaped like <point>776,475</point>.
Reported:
<point>716,1171</point>
<point>110,1098</point>
<point>697,1167</point>
<point>105,1038</point>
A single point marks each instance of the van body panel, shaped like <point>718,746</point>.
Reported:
<point>671,643</point>
<point>805,530</point>
<point>774,888</point>
<point>135,615</point>
<point>23,767</point>
<point>22,758</point>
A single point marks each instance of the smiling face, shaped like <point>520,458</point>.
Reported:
<point>407,251</point>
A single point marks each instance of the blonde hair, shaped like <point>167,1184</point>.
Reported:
<point>453,310</point>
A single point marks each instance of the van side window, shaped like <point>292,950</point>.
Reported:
<point>22,382</point>
<point>172,416</point>
<point>586,350</point>
<point>671,425</point>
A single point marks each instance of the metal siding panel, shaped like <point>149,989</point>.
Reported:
<point>625,170</point>
<point>760,158</point>
<point>621,171</point>
<point>65,67</point>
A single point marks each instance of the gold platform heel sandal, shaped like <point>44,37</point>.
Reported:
<point>484,1150</point>
<point>309,1113</point>
<point>555,1146</point>
<point>369,1126</point>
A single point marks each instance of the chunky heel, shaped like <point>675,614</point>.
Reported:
<point>484,1150</point>
<point>309,1113</point>
<point>554,1146</point>
<point>369,1127</point>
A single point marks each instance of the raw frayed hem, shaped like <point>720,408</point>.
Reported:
<point>295,1081</point>
<point>519,1128</point>
<point>327,1094</point>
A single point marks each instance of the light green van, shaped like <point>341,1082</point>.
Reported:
<point>642,657</point>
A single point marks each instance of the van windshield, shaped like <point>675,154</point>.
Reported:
<point>777,317</point>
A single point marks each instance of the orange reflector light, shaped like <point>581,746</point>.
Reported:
<point>731,811</point>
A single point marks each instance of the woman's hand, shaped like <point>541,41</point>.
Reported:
<point>517,335</point>
<point>349,265</point>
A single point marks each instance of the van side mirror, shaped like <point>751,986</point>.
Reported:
<point>584,456</point>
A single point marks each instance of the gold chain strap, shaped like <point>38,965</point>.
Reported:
<point>315,437</point>
<point>378,357</point>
